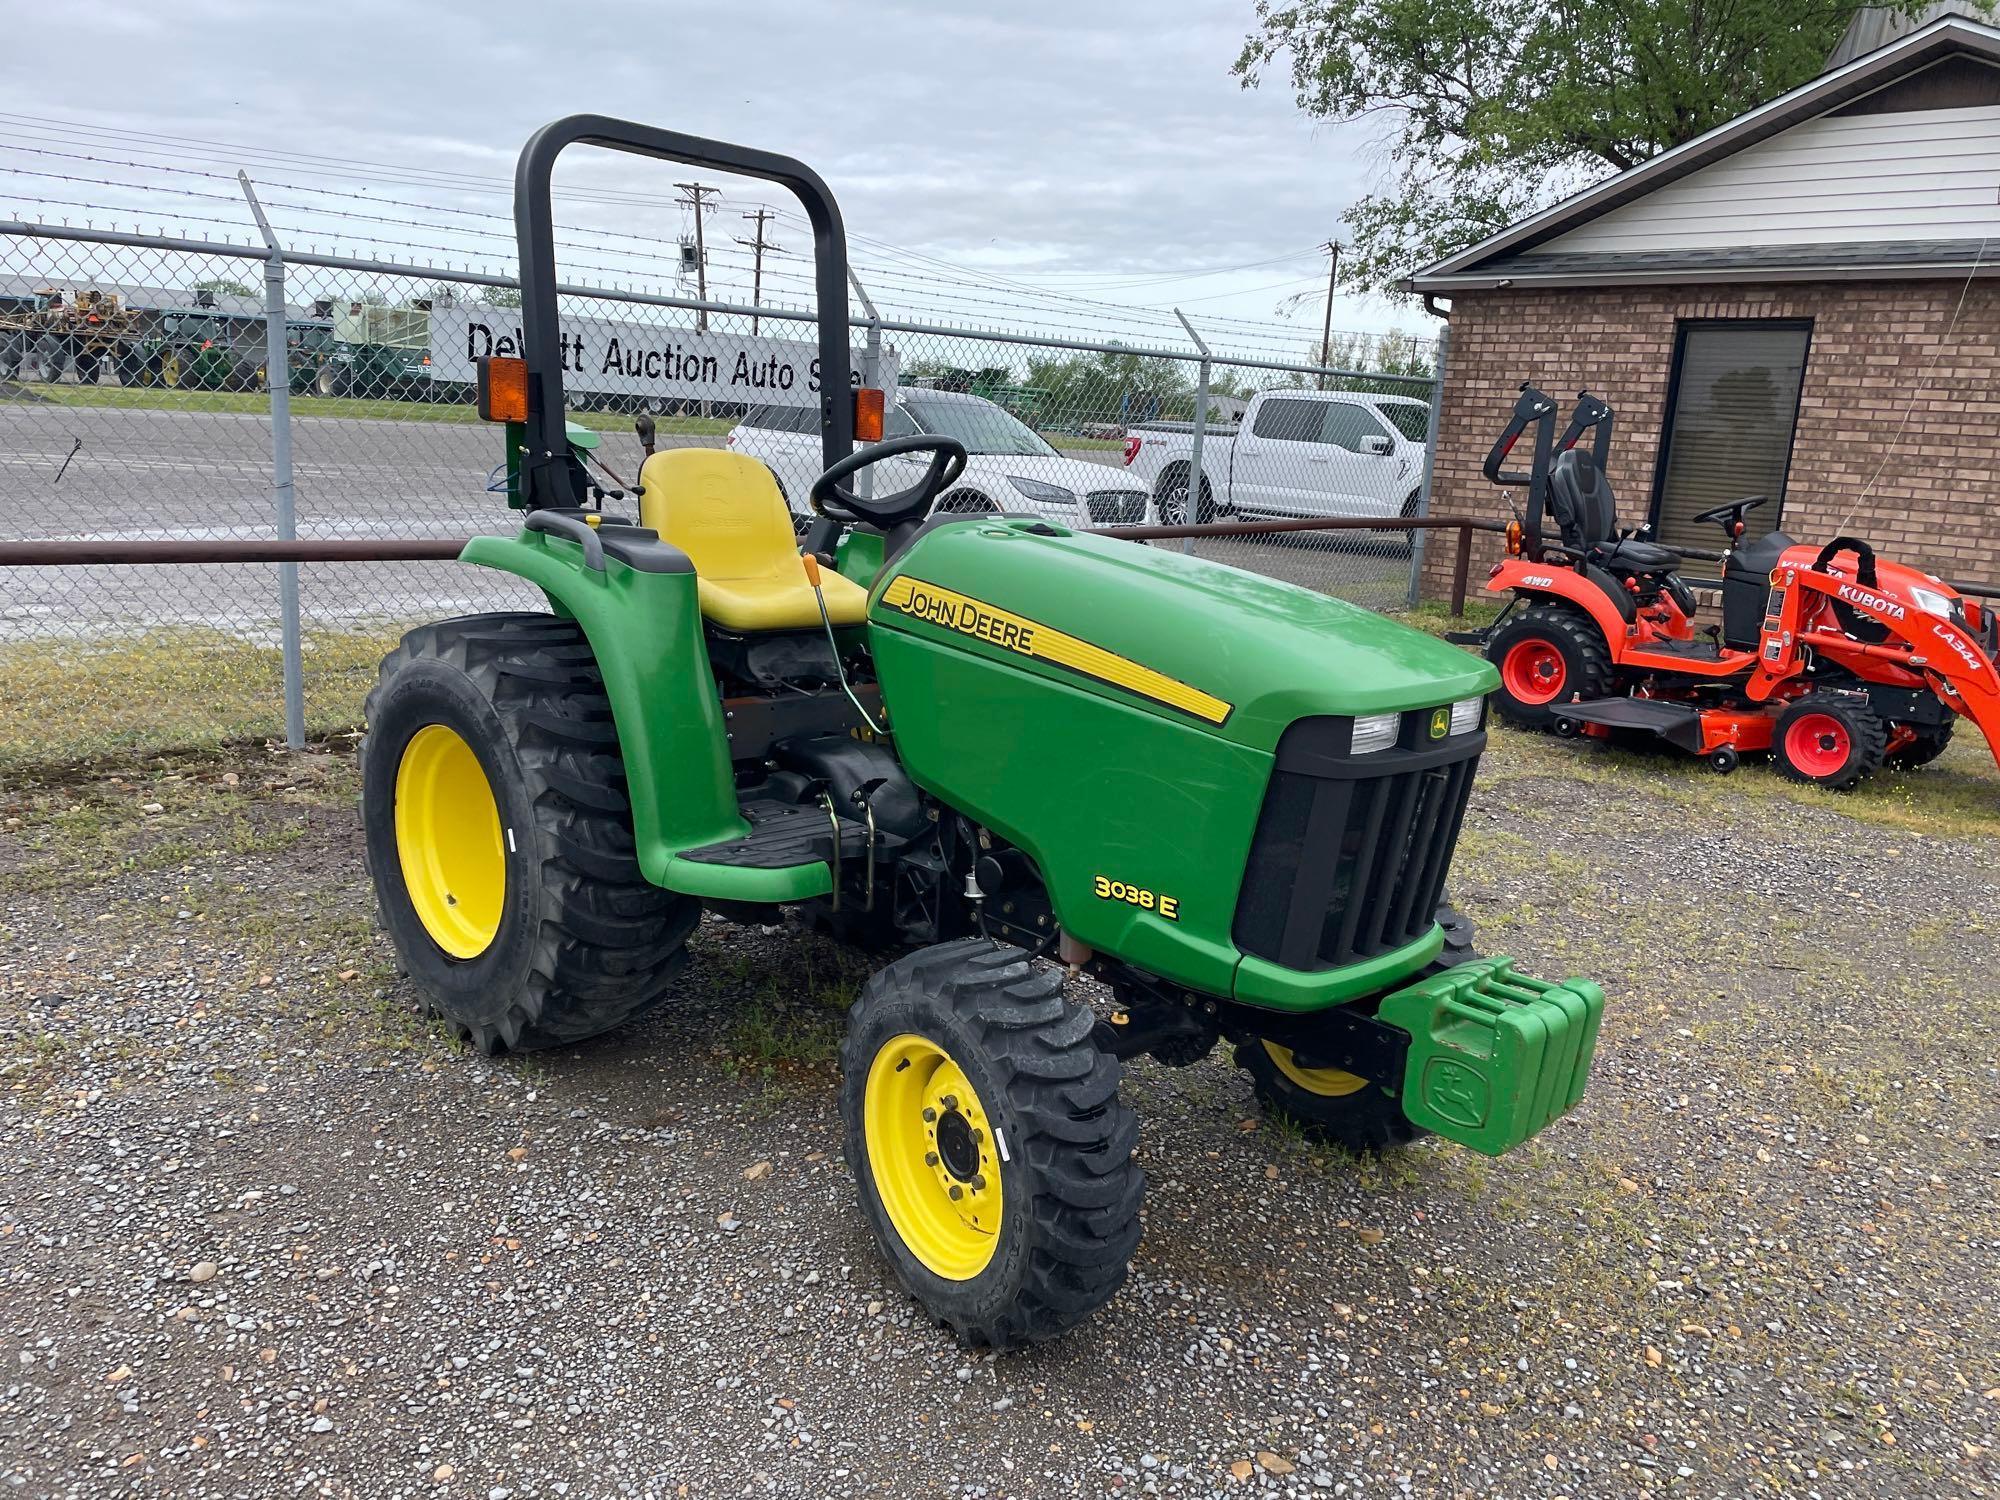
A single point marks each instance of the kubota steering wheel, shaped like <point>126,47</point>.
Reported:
<point>832,499</point>
<point>1736,509</point>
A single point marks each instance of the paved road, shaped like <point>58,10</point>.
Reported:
<point>141,474</point>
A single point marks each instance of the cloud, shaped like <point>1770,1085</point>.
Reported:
<point>1070,146</point>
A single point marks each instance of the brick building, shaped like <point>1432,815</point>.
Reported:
<point>1801,303</point>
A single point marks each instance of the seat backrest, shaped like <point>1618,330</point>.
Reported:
<point>1580,499</point>
<point>723,510</point>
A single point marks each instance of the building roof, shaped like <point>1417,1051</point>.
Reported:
<point>1509,255</point>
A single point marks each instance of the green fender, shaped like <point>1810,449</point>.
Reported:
<point>645,631</point>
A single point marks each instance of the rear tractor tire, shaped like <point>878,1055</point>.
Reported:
<point>499,835</point>
<point>1548,655</point>
<point>1829,739</point>
<point>985,1133</point>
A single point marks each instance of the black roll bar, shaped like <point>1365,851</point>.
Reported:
<point>1590,414</point>
<point>546,474</point>
<point>1531,408</point>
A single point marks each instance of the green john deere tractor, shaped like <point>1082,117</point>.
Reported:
<point>1010,753</point>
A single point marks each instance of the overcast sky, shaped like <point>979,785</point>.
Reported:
<point>1092,148</point>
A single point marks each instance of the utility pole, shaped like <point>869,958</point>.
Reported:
<point>695,194</point>
<point>1332,249</point>
<point>758,246</point>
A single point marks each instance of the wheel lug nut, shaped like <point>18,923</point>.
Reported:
<point>979,1183</point>
<point>929,1114</point>
<point>949,1101</point>
<point>930,1158</point>
<point>957,1192</point>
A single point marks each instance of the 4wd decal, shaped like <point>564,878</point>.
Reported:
<point>1012,632</point>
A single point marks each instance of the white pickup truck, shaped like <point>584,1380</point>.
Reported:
<point>1295,453</point>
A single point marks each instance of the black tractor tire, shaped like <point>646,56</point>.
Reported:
<point>330,381</point>
<point>1557,648</point>
<point>1931,741</point>
<point>1170,496</point>
<point>13,351</point>
<point>1364,1120</point>
<point>1829,739</point>
<point>581,943</point>
<point>87,365</point>
<point>1056,1138</point>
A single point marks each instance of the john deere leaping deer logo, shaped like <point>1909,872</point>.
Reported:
<point>1440,723</point>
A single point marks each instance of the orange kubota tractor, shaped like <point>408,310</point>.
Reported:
<point>1834,661</point>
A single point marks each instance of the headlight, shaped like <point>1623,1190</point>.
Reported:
<point>1040,493</point>
<point>1930,601</point>
<point>1375,732</point>
<point>1465,715</point>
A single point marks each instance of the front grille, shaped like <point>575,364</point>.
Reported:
<point>1351,851</point>
<point>1117,507</point>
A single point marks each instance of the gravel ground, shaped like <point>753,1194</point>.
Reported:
<point>262,1233</point>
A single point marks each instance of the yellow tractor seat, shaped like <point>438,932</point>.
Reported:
<point>724,511</point>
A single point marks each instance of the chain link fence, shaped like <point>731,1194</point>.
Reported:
<point>143,396</point>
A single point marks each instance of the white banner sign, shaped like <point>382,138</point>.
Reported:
<point>608,356</point>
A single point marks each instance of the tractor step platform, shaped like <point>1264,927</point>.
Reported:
<point>1495,1056</point>
<point>782,836</point>
<point>1679,724</point>
<point>1702,649</point>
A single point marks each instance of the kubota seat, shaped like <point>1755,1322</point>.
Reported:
<point>1586,512</point>
<point>724,511</point>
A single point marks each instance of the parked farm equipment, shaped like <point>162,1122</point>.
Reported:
<point>989,739</point>
<point>1833,660</point>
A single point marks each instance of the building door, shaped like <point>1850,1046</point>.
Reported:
<point>1732,410</point>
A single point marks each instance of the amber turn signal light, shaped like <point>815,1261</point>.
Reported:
<point>503,388</point>
<point>867,415</point>
<point>1513,538</point>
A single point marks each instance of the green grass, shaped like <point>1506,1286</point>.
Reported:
<point>69,703</point>
<point>258,403</point>
<point>1957,794</point>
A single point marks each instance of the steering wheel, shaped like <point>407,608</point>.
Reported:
<point>1721,513</point>
<point>834,500</point>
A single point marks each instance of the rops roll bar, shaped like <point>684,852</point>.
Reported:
<point>1590,413</point>
<point>546,473</point>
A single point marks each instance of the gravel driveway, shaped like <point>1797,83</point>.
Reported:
<point>262,1233</point>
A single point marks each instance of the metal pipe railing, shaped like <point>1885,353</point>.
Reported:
<point>68,553</point>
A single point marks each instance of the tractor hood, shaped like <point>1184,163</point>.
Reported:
<point>1235,653</point>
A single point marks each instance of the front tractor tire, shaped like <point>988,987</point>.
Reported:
<point>986,1136</point>
<point>1335,1107</point>
<point>1327,1105</point>
<point>500,838</point>
<point>1548,655</point>
<point>1829,739</point>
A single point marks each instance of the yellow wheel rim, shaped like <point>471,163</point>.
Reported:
<point>1328,1083</point>
<point>932,1154</point>
<point>448,839</point>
